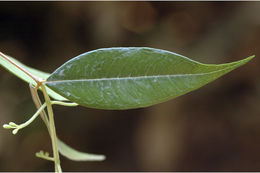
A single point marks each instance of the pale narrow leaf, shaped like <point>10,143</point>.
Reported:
<point>20,74</point>
<point>75,155</point>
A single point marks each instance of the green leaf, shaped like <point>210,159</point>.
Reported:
<point>125,78</point>
<point>19,73</point>
<point>75,155</point>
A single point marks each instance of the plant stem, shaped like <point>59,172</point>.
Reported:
<point>28,122</point>
<point>52,130</point>
<point>33,117</point>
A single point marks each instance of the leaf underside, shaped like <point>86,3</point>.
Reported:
<point>126,78</point>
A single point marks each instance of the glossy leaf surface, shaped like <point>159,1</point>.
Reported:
<point>125,78</point>
<point>19,73</point>
<point>75,155</point>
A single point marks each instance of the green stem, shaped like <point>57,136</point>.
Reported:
<point>16,127</point>
<point>33,117</point>
<point>52,130</point>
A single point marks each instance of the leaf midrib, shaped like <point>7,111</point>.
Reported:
<point>142,77</point>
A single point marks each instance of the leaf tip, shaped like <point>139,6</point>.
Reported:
<point>244,61</point>
<point>102,158</point>
<point>249,58</point>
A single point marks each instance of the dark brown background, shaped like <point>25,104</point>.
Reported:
<point>215,128</point>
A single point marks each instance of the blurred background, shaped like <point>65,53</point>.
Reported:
<point>215,128</point>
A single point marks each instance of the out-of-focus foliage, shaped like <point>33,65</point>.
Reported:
<point>212,129</point>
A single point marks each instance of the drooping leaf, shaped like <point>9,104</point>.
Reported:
<point>19,73</point>
<point>125,78</point>
<point>75,155</point>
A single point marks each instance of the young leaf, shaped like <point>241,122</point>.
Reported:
<point>125,78</point>
<point>19,73</point>
<point>75,155</point>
